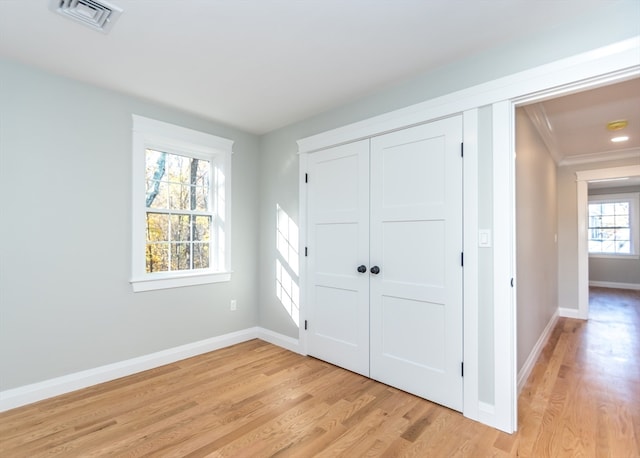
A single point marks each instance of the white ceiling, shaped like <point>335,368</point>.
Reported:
<point>262,64</point>
<point>574,127</point>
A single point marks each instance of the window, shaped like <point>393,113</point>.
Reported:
<point>181,206</point>
<point>613,225</point>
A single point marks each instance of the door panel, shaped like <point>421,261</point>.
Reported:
<point>338,221</point>
<point>416,240</point>
<point>396,327</point>
<point>413,263</point>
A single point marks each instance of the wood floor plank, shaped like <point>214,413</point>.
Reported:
<point>257,400</point>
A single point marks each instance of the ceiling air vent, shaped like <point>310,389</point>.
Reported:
<point>99,15</point>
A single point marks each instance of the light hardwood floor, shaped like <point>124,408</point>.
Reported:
<point>258,400</point>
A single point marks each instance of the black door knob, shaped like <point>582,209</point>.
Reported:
<point>362,269</point>
<point>375,270</point>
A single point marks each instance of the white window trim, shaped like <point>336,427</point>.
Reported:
<point>634,221</point>
<point>149,133</point>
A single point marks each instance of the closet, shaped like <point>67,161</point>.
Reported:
<point>384,292</point>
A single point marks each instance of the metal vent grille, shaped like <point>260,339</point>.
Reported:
<point>98,15</point>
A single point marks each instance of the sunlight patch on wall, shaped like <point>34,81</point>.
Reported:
<point>287,289</point>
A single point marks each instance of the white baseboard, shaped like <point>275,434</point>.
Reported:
<point>525,372</point>
<point>16,397</point>
<point>486,413</point>
<point>565,312</point>
<point>280,340</point>
<point>612,284</point>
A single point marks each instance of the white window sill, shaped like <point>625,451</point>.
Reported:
<point>164,281</point>
<point>614,256</point>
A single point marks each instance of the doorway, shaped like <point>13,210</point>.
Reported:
<point>552,156</point>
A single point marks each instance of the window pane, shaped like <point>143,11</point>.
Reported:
<point>200,255</point>
<point>157,227</point>
<point>202,228</point>
<point>202,198</point>
<point>624,247</point>
<point>594,210</point>
<point>180,228</point>
<point>608,221</point>
<point>157,257</point>
<point>178,168</point>
<point>623,234</point>
<point>595,246</point>
<point>594,221</point>
<point>621,208</point>
<point>156,195</point>
<point>609,246</point>
<point>178,196</point>
<point>155,164</point>
<point>608,209</point>
<point>203,173</point>
<point>622,221</point>
<point>607,234</point>
<point>594,234</point>
<point>180,256</point>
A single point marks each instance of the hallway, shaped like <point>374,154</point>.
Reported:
<point>583,396</point>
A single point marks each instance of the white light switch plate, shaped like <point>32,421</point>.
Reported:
<point>484,238</point>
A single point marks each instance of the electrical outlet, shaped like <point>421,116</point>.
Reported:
<point>233,306</point>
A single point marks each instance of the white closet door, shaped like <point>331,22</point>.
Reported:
<point>416,241</point>
<point>338,239</point>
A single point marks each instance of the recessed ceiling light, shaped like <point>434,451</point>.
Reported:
<point>617,125</point>
<point>622,138</point>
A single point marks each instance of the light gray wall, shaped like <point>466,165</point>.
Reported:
<point>609,269</point>
<point>536,225</point>
<point>65,183</point>
<point>279,162</point>
<point>568,228</point>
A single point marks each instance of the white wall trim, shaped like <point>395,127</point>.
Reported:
<point>582,193</point>
<point>613,284</point>
<point>532,359</point>
<point>612,172</point>
<point>16,397</point>
<point>303,161</point>
<point>275,338</point>
<point>566,312</point>
<point>471,394</point>
<point>598,157</point>
<point>504,313</point>
<point>486,412</point>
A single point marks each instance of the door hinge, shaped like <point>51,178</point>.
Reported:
<point>306,177</point>
<point>305,325</point>
<point>462,369</point>
<point>306,252</point>
<point>462,259</point>
<point>461,149</point>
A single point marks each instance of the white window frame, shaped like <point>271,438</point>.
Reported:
<point>162,136</point>
<point>634,222</point>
